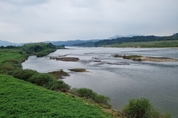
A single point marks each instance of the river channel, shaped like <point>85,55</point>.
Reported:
<point>120,79</point>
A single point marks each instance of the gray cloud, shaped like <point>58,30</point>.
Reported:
<point>24,2</point>
<point>40,20</point>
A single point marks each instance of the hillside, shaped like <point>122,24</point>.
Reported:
<point>23,99</point>
<point>6,43</point>
<point>161,41</point>
<point>72,42</point>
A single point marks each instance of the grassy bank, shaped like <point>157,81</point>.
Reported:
<point>23,99</point>
<point>150,44</point>
<point>31,98</point>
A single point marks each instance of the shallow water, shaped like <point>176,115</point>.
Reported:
<point>157,81</point>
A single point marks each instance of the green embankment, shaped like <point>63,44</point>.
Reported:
<point>20,98</point>
<point>150,44</point>
<point>23,99</point>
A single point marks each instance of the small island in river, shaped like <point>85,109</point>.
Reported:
<point>145,58</point>
<point>65,58</point>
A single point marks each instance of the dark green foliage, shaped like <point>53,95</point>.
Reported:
<point>89,94</point>
<point>138,108</point>
<point>39,49</point>
<point>145,39</point>
<point>10,63</point>
<point>41,79</point>
<point>142,108</point>
<point>25,74</point>
<point>8,66</point>
<point>59,85</point>
<point>48,81</point>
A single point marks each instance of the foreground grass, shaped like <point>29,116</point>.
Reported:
<point>23,99</point>
<point>150,44</point>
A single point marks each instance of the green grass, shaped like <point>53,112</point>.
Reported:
<point>22,99</point>
<point>6,54</point>
<point>150,44</point>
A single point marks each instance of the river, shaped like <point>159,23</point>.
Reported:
<point>120,79</point>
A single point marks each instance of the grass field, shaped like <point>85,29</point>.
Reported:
<point>23,99</point>
<point>6,54</point>
<point>150,44</point>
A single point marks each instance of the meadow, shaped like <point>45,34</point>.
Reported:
<point>23,99</point>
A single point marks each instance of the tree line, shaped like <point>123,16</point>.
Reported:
<point>118,40</point>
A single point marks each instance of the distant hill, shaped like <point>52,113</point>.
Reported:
<point>119,40</point>
<point>120,36</point>
<point>6,43</point>
<point>72,42</point>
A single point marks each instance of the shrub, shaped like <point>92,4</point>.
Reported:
<point>138,108</point>
<point>48,81</point>
<point>142,108</point>
<point>42,79</point>
<point>89,94</point>
<point>101,99</point>
<point>24,74</point>
<point>59,85</point>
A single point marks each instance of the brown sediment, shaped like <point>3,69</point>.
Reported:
<point>158,59</point>
<point>78,70</point>
<point>145,58</point>
<point>59,74</point>
<point>120,63</point>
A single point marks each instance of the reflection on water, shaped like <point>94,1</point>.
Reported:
<point>157,81</point>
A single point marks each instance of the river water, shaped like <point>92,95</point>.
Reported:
<point>118,78</point>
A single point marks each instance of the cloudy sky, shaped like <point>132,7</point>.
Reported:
<point>51,20</point>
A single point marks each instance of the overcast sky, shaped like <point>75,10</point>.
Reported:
<point>51,20</point>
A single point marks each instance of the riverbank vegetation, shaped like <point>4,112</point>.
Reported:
<point>89,94</point>
<point>23,98</point>
<point>150,44</point>
<point>136,41</point>
<point>19,101</point>
<point>142,108</point>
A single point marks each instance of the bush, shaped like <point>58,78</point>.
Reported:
<point>142,108</point>
<point>42,79</point>
<point>59,85</point>
<point>138,108</point>
<point>89,94</point>
<point>24,74</point>
<point>49,82</point>
<point>8,66</point>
